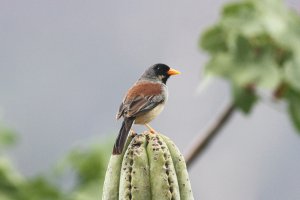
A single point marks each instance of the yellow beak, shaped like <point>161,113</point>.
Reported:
<point>172,72</point>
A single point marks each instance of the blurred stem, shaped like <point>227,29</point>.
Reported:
<point>203,140</point>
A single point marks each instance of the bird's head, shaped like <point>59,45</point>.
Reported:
<point>159,72</point>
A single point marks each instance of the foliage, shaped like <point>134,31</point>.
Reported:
<point>7,136</point>
<point>87,164</point>
<point>256,45</point>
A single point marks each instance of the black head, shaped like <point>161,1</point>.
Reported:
<point>159,72</point>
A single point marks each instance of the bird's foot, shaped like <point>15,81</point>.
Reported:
<point>132,133</point>
<point>151,129</point>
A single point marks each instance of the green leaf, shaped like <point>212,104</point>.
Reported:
<point>244,8</point>
<point>7,136</point>
<point>213,40</point>
<point>9,176</point>
<point>292,73</point>
<point>294,108</point>
<point>244,98</point>
<point>242,18</point>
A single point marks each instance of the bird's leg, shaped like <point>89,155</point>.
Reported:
<point>150,128</point>
<point>132,132</point>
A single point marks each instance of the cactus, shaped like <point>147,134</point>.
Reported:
<point>150,167</point>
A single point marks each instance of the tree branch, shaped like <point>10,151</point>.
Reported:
<point>205,139</point>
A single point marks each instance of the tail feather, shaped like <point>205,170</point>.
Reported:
<point>121,139</point>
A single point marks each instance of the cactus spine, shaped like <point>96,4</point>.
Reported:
<point>151,168</point>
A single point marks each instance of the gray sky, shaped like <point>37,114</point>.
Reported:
<point>65,66</point>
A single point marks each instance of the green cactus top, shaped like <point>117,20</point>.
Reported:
<point>150,168</point>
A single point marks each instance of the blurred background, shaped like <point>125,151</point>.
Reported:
<point>65,66</point>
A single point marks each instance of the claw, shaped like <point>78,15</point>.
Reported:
<point>132,132</point>
<point>151,129</point>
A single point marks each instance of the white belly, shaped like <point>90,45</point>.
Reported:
<point>149,116</point>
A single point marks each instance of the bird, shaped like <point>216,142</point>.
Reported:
<point>143,101</point>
